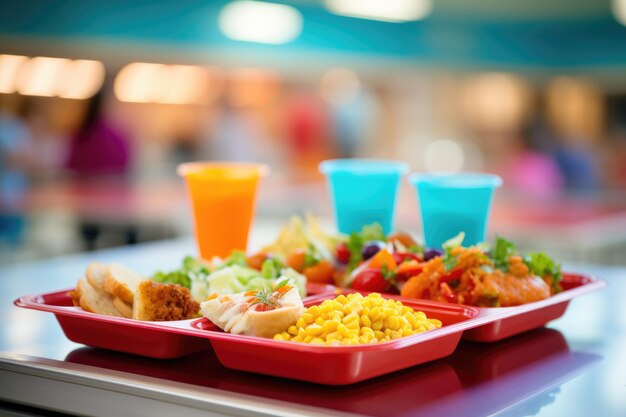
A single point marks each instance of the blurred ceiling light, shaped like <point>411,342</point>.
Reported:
<point>619,10</point>
<point>497,101</point>
<point>38,76</point>
<point>80,79</point>
<point>187,85</point>
<point>141,82</point>
<point>255,21</point>
<point>385,10</point>
<point>252,87</point>
<point>340,85</point>
<point>49,77</point>
<point>444,156</point>
<point>575,108</point>
<point>9,69</point>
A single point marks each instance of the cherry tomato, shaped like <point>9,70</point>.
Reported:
<point>370,279</point>
<point>343,254</point>
<point>405,256</point>
<point>383,257</point>
<point>256,261</point>
<point>322,271</point>
<point>296,260</point>
<point>451,275</point>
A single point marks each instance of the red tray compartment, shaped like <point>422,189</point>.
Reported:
<point>340,365</point>
<point>509,321</point>
<point>120,334</point>
<point>114,333</point>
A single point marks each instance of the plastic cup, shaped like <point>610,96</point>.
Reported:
<point>222,196</point>
<point>454,203</point>
<point>363,191</point>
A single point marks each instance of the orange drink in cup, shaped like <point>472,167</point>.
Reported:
<point>222,197</point>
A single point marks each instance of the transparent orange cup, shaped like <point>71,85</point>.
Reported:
<point>222,196</point>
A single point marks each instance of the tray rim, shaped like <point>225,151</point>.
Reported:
<point>186,328</point>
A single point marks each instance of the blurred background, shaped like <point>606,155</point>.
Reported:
<point>100,100</point>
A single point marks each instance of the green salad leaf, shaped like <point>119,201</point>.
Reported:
<point>453,242</point>
<point>231,276</point>
<point>191,269</point>
<point>237,257</point>
<point>501,251</point>
<point>449,260</point>
<point>543,265</point>
<point>271,268</point>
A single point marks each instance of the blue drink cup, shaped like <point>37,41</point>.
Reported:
<point>454,203</point>
<point>363,191</point>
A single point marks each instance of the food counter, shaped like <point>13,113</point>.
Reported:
<point>575,367</point>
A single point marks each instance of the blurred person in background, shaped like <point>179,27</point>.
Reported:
<point>307,125</point>
<point>15,162</point>
<point>98,148</point>
<point>577,161</point>
<point>528,169</point>
<point>353,121</point>
<point>237,137</point>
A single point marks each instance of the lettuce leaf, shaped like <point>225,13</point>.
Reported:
<point>544,266</point>
<point>191,269</point>
<point>501,251</point>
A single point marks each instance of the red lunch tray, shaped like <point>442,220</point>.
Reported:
<point>332,365</point>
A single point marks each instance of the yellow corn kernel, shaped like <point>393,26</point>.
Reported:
<point>367,330</point>
<point>319,321</point>
<point>407,332</point>
<point>313,330</point>
<point>375,314</point>
<point>333,336</point>
<point>341,299</point>
<point>351,317</point>
<point>330,326</point>
<point>278,337</point>
<point>292,330</point>
<point>343,330</point>
<point>301,323</point>
<point>365,321</point>
<point>391,322</point>
<point>308,318</point>
<point>326,308</point>
<point>377,325</point>
<point>318,340</point>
